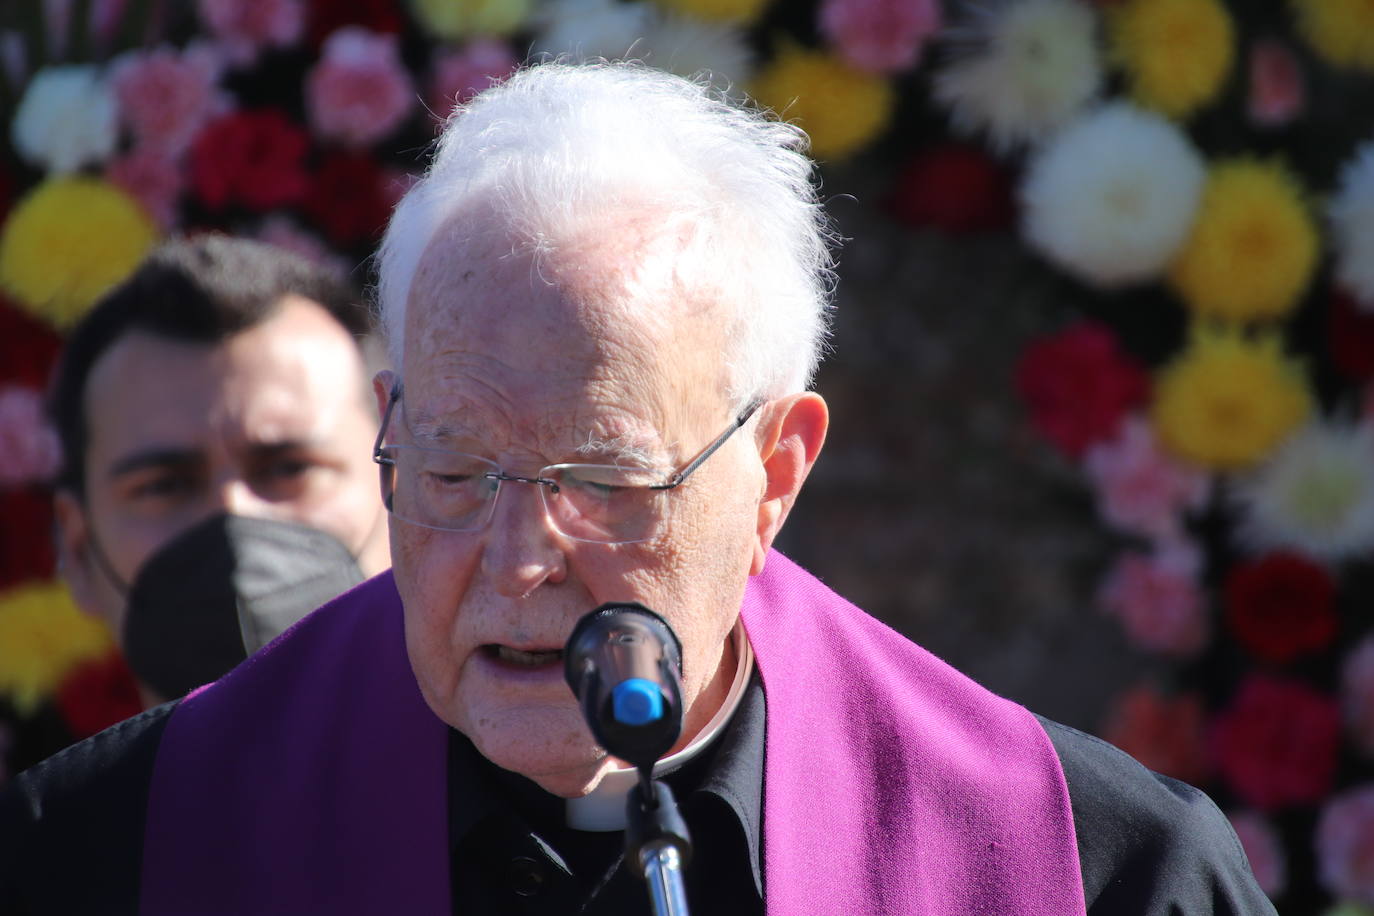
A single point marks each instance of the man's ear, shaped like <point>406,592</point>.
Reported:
<point>382,383</point>
<point>792,434</point>
<point>75,561</point>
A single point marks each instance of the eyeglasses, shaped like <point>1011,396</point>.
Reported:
<point>602,503</point>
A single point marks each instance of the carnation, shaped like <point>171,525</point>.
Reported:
<point>1314,495</point>
<point>1281,606</point>
<point>252,158</point>
<point>1351,211</point>
<point>359,92</point>
<point>1357,695</point>
<point>955,187</point>
<point>1253,247</point>
<point>458,75</point>
<point>1177,54</point>
<point>842,109</point>
<point>1228,400</point>
<point>1027,67</point>
<point>1112,198</point>
<point>42,637</point>
<point>68,242</point>
<point>1141,489</point>
<point>1277,93</point>
<point>29,444</point>
<point>1164,733</point>
<point>450,21</point>
<point>66,119</point>
<point>880,36</point>
<point>1276,742</point>
<point>1345,845</point>
<point>244,29</point>
<point>1341,31</point>
<point>166,96</point>
<point>1263,849</point>
<point>1158,600</point>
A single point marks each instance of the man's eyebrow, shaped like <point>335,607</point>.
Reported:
<point>153,458</point>
<point>617,450</point>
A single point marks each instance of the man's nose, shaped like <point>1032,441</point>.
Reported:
<point>234,496</point>
<point>521,550</point>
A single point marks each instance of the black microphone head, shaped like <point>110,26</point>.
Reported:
<point>624,665</point>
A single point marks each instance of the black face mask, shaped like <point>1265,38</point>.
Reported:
<point>222,590</point>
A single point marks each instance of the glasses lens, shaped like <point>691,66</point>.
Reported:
<point>438,488</point>
<point>604,503</point>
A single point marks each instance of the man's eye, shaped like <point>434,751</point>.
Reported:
<point>286,469</point>
<point>163,486</point>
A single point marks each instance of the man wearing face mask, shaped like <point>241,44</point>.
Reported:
<point>215,423</point>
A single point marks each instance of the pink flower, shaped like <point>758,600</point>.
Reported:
<point>245,27</point>
<point>459,75</point>
<point>1263,848</point>
<point>1164,733</point>
<point>1345,845</point>
<point>360,91</point>
<point>165,96</point>
<point>1158,600</point>
<point>1276,85</point>
<point>29,444</point>
<point>1140,488</point>
<point>1276,742</point>
<point>152,178</point>
<point>1357,694</point>
<point>879,36</point>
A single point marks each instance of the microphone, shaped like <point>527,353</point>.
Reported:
<point>624,664</point>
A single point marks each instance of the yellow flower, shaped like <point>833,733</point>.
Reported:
<point>739,12</point>
<point>454,19</point>
<point>69,241</point>
<point>1227,401</point>
<point>1176,53</point>
<point>42,637</point>
<point>1342,31</point>
<point>1253,247</point>
<point>841,108</point>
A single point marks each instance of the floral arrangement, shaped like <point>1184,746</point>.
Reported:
<point>1168,155</point>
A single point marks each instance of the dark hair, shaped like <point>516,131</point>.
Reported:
<point>202,290</point>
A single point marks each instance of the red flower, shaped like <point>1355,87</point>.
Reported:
<point>28,347</point>
<point>325,16</point>
<point>26,541</point>
<point>97,695</point>
<point>1276,743</point>
<point>1078,384</point>
<point>1350,334</point>
<point>955,187</point>
<point>1280,606</point>
<point>252,158</point>
<point>1165,734</point>
<point>1277,92</point>
<point>349,199</point>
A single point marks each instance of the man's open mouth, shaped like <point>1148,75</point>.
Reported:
<point>521,658</point>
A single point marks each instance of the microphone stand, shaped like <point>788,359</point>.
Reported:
<point>657,844</point>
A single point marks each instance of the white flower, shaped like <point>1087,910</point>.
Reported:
<point>1314,495</point>
<point>589,29</point>
<point>67,119</point>
<point>1028,67</point>
<point>690,47</point>
<point>1111,198</point>
<point>1352,226</point>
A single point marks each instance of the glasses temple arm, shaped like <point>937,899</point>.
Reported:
<point>705,453</point>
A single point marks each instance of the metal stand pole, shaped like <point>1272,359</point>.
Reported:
<point>657,844</point>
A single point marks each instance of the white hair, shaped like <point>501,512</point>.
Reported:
<point>564,149</point>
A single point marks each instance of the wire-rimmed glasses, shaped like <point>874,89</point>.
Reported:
<point>602,503</point>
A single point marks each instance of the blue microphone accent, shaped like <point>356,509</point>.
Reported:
<point>637,701</point>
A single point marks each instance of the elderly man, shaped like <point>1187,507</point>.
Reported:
<point>605,301</point>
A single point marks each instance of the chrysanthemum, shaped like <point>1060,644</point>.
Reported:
<point>1177,54</point>
<point>841,108</point>
<point>1253,247</point>
<point>42,637</point>
<point>1351,211</point>
<point>455,19</point>
<point>1227,401</point>
<point>1314,495</point>
<point>69,241</point>
<point>1342,31</point>
<point>1027,69</point>
<point>1112,197</point>
<point>738,12</point>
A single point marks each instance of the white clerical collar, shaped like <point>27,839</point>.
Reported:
<point>603,809</point>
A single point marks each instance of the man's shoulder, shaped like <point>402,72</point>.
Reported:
<point>1147,843</point>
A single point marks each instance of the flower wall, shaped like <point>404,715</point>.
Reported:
<point>1196,177</point>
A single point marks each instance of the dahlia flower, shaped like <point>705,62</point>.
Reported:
<point>450,20</point>
<point>1351,211</point>
<point>1026,69</point>
<point>359,92</point>
<point>1253,247</point>
<point>1176,54</point>
<point>42,637</point>
<point>1341,31</point>
<point>69,241</point>
<point>166,95</point>
<point>66,119</point>
<point>1112,197</point>
<point>1315,494</point>
<point>1140,488</point>
<point>1345,845</point>
<point>840,108</point>
<point>29,444</point>
<point>1357,695</point>
<point>879,36</point>
<point>1227,401</point>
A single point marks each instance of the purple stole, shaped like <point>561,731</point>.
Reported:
<point>313,778</point>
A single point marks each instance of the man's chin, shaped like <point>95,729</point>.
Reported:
<point>562,762</point>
